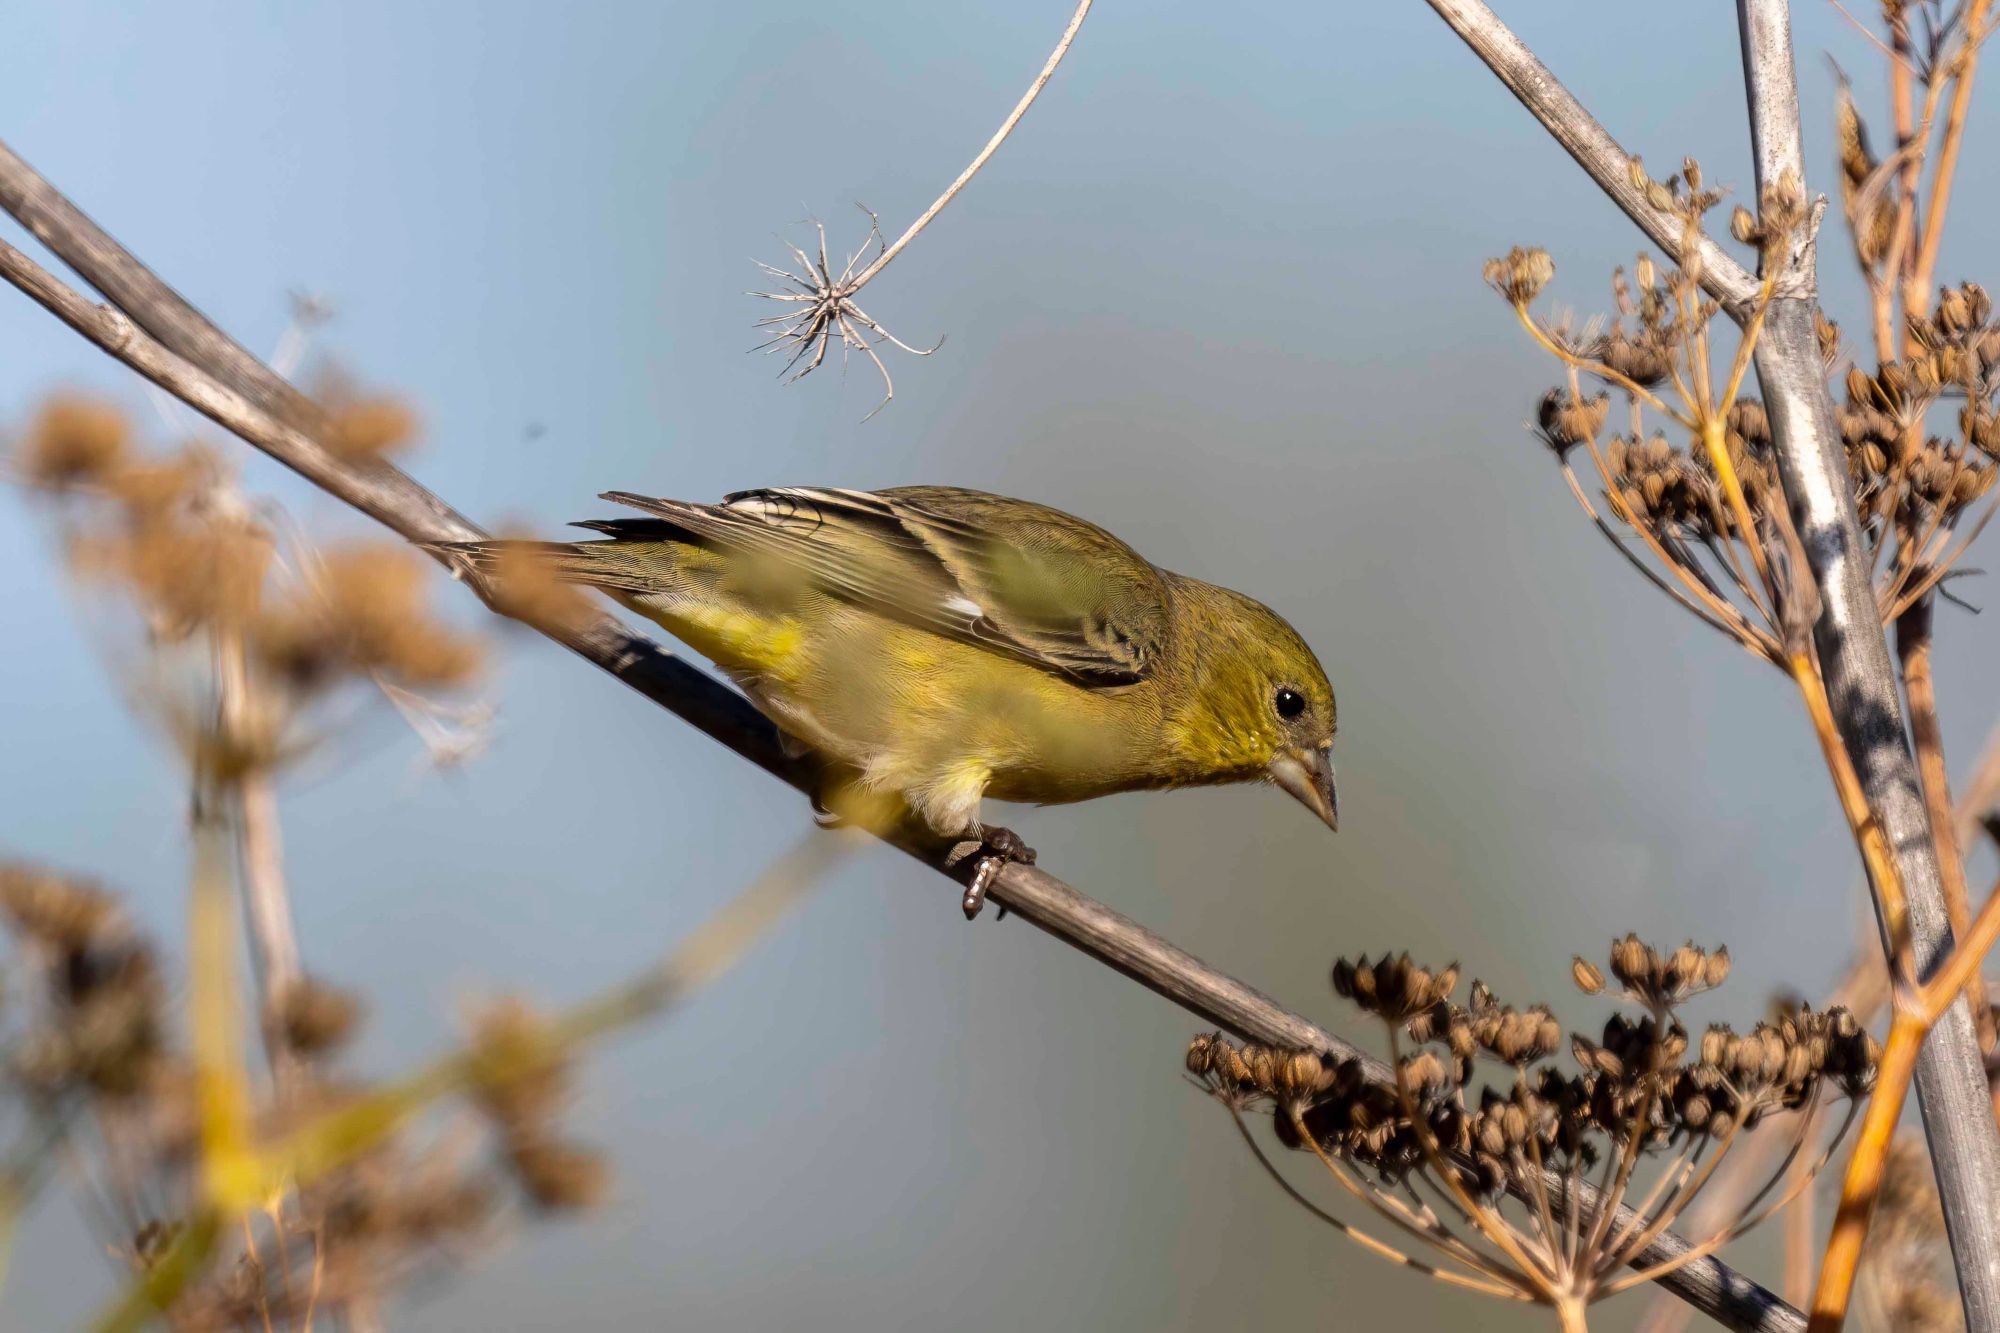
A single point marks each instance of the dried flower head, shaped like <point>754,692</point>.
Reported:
<point>54,911</point>
<point>1520,275</point>
<point>528,585</point>
<point>1564,422</point>
<point>73,440</point>
<point>364,612</point>
<point>826,311</point>
<point>1396,989</point>
<point>361,426</point>
<point>1510,1154</point>
<point>317,1018</point>
<point>1661,980</point>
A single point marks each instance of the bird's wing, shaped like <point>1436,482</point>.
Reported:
<point>1005,575</point>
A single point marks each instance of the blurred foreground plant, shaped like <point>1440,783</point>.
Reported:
<point>235,1207</point>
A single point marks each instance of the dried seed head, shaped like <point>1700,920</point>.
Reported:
<point>558,1177</point>
<point>1395,989</point>
<point>151,488</point>
<point>529,586</point>
<point>1664,982</point>
<point>1299,1075</point>
<point>74,441</point>
<point>1594,1057</point>
<point>1201,1053</point>
<point>51,910</point>
<point>1631,960</point>
<point>363,426</point>
<point>1564,422</point>
<point>1588,978</point>
<point>315,1017</point>
<point>1520,276</point>
<point>1828,334</point>
<point>365,612</point>
<point>1517,1036</point>
<point>1954,313</point>
<point>1646,360</point>
<point>187,572</point>
<point>1424,1074</point>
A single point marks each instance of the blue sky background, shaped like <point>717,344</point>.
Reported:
<point>1220,293</point>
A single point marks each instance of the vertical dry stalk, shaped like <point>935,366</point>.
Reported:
<point>267,907</point>
<point>1864,723</point>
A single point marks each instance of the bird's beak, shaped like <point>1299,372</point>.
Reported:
<point>1308,777</point>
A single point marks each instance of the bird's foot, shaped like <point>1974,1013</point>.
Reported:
<point>995,849</point>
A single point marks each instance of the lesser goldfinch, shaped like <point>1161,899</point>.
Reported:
<point>940,645</point>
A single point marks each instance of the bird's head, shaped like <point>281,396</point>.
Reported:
<point>1262,705</point>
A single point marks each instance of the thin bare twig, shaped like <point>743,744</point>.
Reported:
<point>827,309</point>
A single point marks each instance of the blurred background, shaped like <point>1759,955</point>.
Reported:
<point>1220,293</point>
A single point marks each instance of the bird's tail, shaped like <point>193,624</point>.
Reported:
<point>594,564</point>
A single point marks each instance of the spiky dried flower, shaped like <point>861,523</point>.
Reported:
<point>827,312</point>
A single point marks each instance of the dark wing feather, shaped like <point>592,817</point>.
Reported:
<point>1012,577</point>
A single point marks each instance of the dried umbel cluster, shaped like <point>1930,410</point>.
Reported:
<point>98,1077</point>
<point>1477,1139</point>
<point>523,1089</point>
<point>223,587</point>
<point>1914,483</point>
<point>1688,470</point>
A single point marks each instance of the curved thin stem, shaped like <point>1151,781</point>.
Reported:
<point>1504,1281</point>
<point>999,137</point>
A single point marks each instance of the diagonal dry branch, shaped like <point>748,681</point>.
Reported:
<point>151,329</point>
<point>1590,144</point>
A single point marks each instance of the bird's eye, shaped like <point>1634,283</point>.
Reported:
<point>1290,703</point>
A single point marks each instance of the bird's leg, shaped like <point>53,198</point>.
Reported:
<point>995,849</point>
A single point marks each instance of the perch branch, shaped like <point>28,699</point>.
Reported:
<point>159,335</point>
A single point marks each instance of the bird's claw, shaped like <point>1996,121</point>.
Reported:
<point>997,847</point>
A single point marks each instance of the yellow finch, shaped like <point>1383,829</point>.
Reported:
<point>940,645</point>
